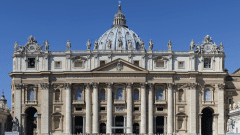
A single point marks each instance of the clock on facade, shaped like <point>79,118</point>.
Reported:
<point>31,47</point>
<point>207,47</point>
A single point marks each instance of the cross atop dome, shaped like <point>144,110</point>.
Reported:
<point>119,18</point>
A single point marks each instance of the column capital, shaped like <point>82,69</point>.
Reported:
<point>170,85</point>
<point>44,85</point>
<point>87,86</point>
<point>151,85</point>
<point>109,84</point>
<point>67,85</point>
<point>18,86</point>
<point>143,84</point>
<point>95,85</point>
<point>221,86</point>
<point>129,85</point>
<point>192,85</point>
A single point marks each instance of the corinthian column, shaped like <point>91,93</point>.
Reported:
<point>150,109</point>
<point>129,108</point>
<point>68,108</point>
<point>88,108</point>
<point>170,109</point>
<point>143,109</point>
<point>109,108</point>
<point>193,108</point>
<point>221,121</point>
<point>45,108</point>
<point>95,109</point>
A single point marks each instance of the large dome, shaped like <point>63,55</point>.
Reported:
<point>119,37</point>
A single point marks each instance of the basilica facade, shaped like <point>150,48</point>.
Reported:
<point>119,83</point>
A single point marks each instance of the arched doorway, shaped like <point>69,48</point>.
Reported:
<point>103,128</point>
<point>119,123</point>
<point>160,125</point>
<point>207,121</point>
<point>31,125</point>
<point>136,128</point>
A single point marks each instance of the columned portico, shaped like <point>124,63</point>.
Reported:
<point>143,109</point>
<point>170,109</point>
<point>129,108</point>
<point>95,109</point>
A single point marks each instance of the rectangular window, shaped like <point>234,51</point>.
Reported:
<point>31,62</point>
<point>229,101</point>
<point>159,109</point>
<point>102,108</point>
<point>136,95</point>
<point>160,64</point>
<point>102,96</point>
<point>57,64</point>
<point>102,63</point>
<point>207,62</point>
<point>78,64</point>
<point>181,64</point>
<point>136,63</point>
<point>79,109</point>
<point>136,109</point>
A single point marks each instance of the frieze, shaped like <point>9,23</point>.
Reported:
<point>44,85</point>
<point>78,77</point>
<point>123,76</point>
<point>156,77</point>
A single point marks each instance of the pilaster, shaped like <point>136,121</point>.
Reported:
<point>45,108</point>
<point>221,120</point>
<point>88,108</point>
<point>18,103</point>
<point>109,108</point>
<point>95,109</point>
<point>193,108</point>
<point>129,108</point>
<point>170,109</point>
<point>150,108</point>
<point>68,109</point>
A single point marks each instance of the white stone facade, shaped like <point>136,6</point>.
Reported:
<point>119,82</point>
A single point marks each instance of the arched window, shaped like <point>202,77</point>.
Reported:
<point>119,94</point>
<point>136,95</point>
<point>207,95</point>
<point>159,94</point>
<point>57,95</point>
<point>79,94</point>
<point>180,95</point>
<point>103,95</point>
<point>31,95</point>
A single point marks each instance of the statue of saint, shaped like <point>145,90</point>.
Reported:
<point>109,44</point>
<point>192,45</point>
<point>207,39</point>
<point>16,46</point>
<point>142,45</point>
<point>150,45</point>
<point>120,43</point>
<point>169,45</point>
<point>68,45</point>
<point>129,45</point>
<point>95,45</point>
<point>234,106</point>
<point>46,45</point>
<point>221,48</point>
<point>88,44</point>
<point>15,124</point>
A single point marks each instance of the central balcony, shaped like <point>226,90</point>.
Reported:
<point>119,101</point>
<point>160,102</point>
<point>31,102</point>
<point>78,102</point>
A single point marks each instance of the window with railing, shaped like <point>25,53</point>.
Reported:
<point>57,95</point>
<point>180,95</point>
<point>136,95</point>
<point>103,96</point>
<point>207,63</point>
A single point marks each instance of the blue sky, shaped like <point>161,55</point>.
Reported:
<point>79,20</point>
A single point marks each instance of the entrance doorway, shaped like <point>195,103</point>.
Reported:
<point>78,124</point>
<point>207,121</point>
<point>31,125</point>
<point>136,128</point>
<point>119,123</point>
<point>103,128</point>
<point>159,124</point>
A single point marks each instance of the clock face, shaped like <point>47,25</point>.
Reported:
<point>31,47</point>
<point>207,47</point>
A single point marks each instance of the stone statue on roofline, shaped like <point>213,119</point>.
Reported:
<point>220,50</point>
<point>68,45</point>
<point>46,45</point>
<point>169,45</point>
<point>88,44</point>
<point>142,45</point>
<point>16,46</point>
<point>192,45</point>
<point>150,48</point>
<point>95,45</point>
<point>207,39</point>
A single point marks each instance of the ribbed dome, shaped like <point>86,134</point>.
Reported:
<point>119,37</point>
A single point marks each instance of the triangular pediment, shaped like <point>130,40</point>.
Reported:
<point>237,71</point>
<point>119,65</point>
